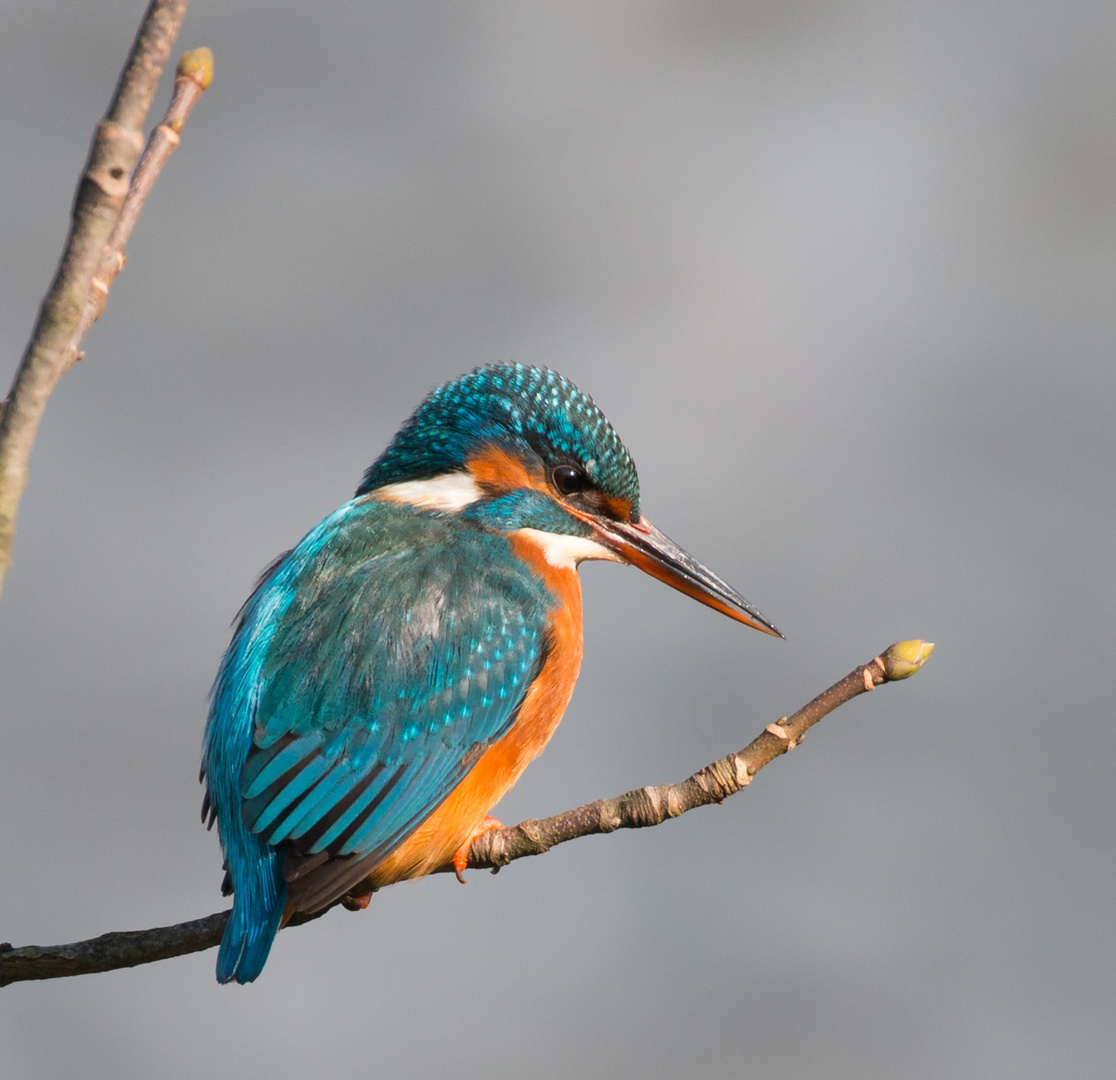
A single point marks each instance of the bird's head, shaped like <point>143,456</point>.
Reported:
<point>519,448</point>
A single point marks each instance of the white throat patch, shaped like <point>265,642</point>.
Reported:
<point>450,491</point>
<point>456,490</point>
<point>564,551</point>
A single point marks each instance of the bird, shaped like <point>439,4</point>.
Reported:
<point>392,675</point>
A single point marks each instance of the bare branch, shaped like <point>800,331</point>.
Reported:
<point>716,782</point>
<point>122,949</point>
<point>192,78</point>
<point>103,187</point>
<point>637,809</point>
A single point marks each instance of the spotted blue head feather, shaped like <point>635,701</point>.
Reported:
<point>532,412</point>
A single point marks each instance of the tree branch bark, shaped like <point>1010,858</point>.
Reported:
<point>641,808</point>
<point>102,190</point>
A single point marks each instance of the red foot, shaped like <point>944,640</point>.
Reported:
<point>357,903</point>
<point>461,859</point>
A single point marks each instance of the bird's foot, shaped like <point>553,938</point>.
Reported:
<point>357,903</point>
<point>461,859</point>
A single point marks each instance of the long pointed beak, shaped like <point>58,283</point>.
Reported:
<point>642,545</point>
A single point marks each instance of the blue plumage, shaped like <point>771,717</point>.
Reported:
<point>381,669</point>
<point>368,671</point>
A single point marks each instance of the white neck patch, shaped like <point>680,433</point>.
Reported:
<point>456,490</point>
<point>450,491</point>
<point>565,552</point>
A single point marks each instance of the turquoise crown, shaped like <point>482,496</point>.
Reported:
<point>532,412</point>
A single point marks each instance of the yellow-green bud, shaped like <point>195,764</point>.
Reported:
<point>197,65</point>
<point>903,659</point>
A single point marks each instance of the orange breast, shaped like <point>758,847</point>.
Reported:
<point>459,818</point>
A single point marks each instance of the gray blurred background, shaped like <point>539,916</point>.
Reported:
<point>842,275</point>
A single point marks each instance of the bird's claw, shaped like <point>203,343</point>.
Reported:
<point>461,858</point>
<point>357,903</point>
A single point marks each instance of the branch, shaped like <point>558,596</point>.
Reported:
<point>98,205</point>
<point>636,810</point>
<point>716,782</point>
<point>192,78</point>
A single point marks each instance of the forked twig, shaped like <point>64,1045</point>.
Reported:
<point>103,191</point>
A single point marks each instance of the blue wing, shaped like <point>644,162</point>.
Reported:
<point>369,671</point>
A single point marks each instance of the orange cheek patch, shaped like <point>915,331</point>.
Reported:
<point>497,471</point>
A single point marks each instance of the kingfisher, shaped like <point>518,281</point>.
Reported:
<point>392,675</point>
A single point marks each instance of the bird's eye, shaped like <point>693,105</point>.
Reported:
<point>569,480</point>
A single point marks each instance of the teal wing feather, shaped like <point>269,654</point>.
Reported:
<point>404,652</point>
<point>370,670</point>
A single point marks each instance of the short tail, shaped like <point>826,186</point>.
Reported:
<point>257,910</point>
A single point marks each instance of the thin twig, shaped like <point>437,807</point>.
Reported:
<point>192,77</point>
<point>636,810</point>
<point>649,806</point>
<point>100,197</point>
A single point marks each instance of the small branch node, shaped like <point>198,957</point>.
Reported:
<point>744,772</point>
<point>112,182</point>
<point>169,132</point>
<point>778,730</point>
<point>110,131</point>
<point>674,805</point>
<point>533,832</point>
<point>869,682</point>
<point>607,818</point>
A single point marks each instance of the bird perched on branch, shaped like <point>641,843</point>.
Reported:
<point>392,675</point>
